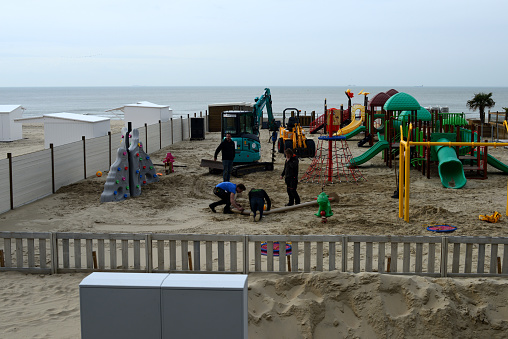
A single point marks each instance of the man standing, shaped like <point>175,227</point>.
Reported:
<point>291,173</point>
<point>227,147</point>
<point>226,191</point>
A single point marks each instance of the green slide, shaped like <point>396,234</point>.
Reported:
<point>496,163</point>
<point>370,153</point>
<point>450,167</point>
<point>354,132</point>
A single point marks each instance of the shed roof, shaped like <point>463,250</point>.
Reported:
<point>401,102</point>
<point>8,108</point>
<point>75,117</point>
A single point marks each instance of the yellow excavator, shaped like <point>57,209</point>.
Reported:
<point>292,135</point>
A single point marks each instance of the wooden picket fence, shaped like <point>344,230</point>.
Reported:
<point>435,256</point>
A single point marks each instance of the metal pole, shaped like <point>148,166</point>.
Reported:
<point>53,167</point>
<point>84,156</point>
<point>146,138</point>
<point>109,135</point>
<point>11,188</point>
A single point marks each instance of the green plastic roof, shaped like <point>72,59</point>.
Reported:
<point>401,102</point>
<point>421,114</point>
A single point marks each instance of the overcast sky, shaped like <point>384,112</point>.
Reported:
<point>253,43</point>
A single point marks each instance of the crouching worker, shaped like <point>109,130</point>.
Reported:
<point>257,198</point>
<point>226,191</point>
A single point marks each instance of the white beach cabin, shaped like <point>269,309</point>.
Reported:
<point>144,112</point>
<point>9,129</point>
<point>64,128</point>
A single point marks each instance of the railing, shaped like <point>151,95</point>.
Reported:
<point>317,124</point>
<point>446,256</point>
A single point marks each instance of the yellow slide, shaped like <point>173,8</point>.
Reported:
<point>355,123</point>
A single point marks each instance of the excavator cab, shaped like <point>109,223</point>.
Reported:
<point>241,125</point>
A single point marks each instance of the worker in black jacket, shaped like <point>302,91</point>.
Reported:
<point>257,198</point>
<point>227,147</point>
<point>291,173</point>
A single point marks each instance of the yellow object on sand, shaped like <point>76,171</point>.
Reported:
<point>491,218</point>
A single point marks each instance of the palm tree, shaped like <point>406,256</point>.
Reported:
<point>481,101</point>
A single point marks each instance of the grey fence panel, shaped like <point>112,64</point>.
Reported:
<point>197,252</point>
<point>116,141</point>
<point>5,200</point>
<point>186,129</point>
<point>25,251</point>
<point>394,254</point>
<point>87,252</point>
<point>282,253</point>
<point>142,137</point>
<point>476,255</point>
<point>153,139</point>
<point>31,174</point>
<point>97,155</point>
<point>166,133</point>
<point>69,164</point>
<point>177,130</point>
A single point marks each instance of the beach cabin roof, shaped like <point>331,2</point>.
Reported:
<point>6,109</point>
<point>76,117</point>
<point>250,104</point>
<point>401,102</point>
<point>64,128</point>
<point>144,112</point>
<point>146,104</point>
<point>64,116</point>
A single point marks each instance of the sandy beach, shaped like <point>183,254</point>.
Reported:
<point>297,305</point>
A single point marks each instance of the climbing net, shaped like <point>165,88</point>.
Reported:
<point>332,163</point>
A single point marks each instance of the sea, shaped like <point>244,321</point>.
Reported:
<point>191,100</point>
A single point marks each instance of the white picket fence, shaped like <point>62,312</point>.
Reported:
<point>446,256</point>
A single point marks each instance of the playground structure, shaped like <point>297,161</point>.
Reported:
<point>342,121</point>
<point>332,162</point>
<point>132,169</point>
<point>405,160</point>
<point>454,165</point>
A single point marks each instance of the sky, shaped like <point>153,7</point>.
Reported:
<point>253,43</point>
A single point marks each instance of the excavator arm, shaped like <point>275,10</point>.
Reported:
<point>260,103</point>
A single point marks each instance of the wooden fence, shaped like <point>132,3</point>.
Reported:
<point>446,256</point>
